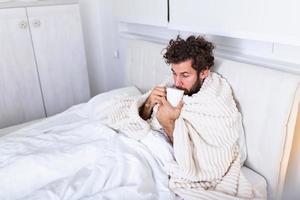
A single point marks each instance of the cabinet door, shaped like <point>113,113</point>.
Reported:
<point>20,94</point>
<point>268,20</point>
<point>154,12</point>
<point>59,49</point>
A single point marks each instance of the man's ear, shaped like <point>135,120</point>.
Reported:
<point>204,73</point>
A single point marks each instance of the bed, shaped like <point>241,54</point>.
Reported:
<point>73,156</point>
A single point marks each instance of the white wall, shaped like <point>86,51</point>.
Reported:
<point>100,38</point>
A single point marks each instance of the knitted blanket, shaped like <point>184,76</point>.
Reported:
<point>205,141</point>
<point>206,145</point>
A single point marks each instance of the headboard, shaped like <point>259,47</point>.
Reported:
<point>268,100</point>
<point>144,65</point>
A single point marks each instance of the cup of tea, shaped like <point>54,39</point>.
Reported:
<point>174,96</point>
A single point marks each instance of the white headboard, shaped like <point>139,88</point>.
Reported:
<point>144,64</point>
<point>268,100</point>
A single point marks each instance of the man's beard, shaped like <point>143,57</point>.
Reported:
<point>196,87</point>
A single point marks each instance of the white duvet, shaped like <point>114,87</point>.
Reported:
<point>73,156</point>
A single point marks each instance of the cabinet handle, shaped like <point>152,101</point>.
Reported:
<point>23,24</point>
<point>36,23</point>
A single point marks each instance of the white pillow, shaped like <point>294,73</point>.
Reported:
<point>131,90</point>
<point>94,106</point>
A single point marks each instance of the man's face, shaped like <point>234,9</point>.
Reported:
<point>186,77</point>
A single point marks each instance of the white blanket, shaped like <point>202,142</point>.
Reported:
<point>73,156</point>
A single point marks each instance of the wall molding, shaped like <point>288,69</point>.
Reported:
<point>161,35</point>
<point>263,62</point>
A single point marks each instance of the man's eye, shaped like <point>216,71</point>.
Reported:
<point>185,76</point>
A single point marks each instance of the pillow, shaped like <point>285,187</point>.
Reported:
<point>100,98</point>
<point>131,90</point>
<point>93,107</point>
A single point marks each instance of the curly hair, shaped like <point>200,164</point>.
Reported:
<point>197,49</point>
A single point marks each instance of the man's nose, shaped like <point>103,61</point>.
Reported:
<point>177,81</point>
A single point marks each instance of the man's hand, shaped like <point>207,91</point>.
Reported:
<point>166,116</point>
<point>155,97</point>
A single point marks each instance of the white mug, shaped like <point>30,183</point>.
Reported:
<point>174,96</point>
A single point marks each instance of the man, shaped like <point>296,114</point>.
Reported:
<point>190,62</point>
<point>205,127</point>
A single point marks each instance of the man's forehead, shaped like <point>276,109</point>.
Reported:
<point>182,67</point>
<point>180,71</point>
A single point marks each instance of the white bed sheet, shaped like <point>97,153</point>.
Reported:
<point>72,156</point>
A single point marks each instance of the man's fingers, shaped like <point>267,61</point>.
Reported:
<point>159,92</point>
<point>163,89</point>
<point>158,100</point>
